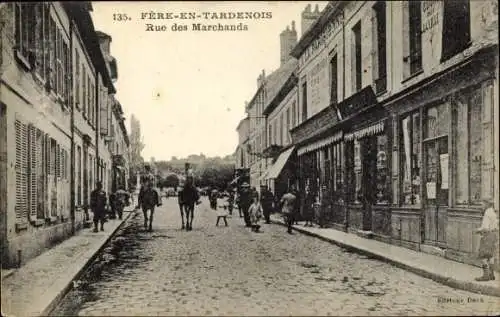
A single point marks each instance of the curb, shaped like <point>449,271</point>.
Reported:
<point>448,281</point>
<point>57,299</point>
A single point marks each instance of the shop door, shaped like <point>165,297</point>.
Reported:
<point>369,157</point>
<point>436,175</point>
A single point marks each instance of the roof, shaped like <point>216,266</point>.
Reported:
<point>277,79</point>
<point>80,14</point>
<point>315,29</point>
<point>241,122</point>
<point>286,83</point>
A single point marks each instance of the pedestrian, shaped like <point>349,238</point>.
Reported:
<point>255,213</point>
<point>288,203</point>
<point>267,203</point>
<point>98,201</point>
<point>230,201</point>
<point>488,245</point>
<point>245,202</point>
<point>308,207</point>
<point>213,198</point>
<point>112,205</point>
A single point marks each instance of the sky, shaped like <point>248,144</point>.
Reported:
<point>187,88</point>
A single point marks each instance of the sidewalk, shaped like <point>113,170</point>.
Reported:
<point>448,272</point>
<point>37,287</point>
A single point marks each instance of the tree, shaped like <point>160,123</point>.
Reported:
<point>172,180</point>
<point>136,147</point>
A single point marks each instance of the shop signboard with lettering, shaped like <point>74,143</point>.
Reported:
<point>432,26</point>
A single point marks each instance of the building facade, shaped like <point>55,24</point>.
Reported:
<point>53,82</point>
<point>399,100</point>
<point>241,153</point>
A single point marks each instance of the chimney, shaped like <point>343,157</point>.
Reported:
<point>105,43</point>
<point>288,40</point>
<point>260,79</point>
<point>309,17</point>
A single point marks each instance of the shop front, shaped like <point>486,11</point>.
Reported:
<point>444,159</point>
<point>367,190</point>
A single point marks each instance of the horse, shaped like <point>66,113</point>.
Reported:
<point>190,197</point>
<point>148,199</point>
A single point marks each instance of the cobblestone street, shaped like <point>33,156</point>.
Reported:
<point>232,271</point>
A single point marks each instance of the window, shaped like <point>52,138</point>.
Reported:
<point>287,132</point>
<point>356,60</point>
<point>294,114</point>
<point>381,44</point>
<point>84,92</point>
<point>281,129</point>
<point>52,54</point>
<point>304,100</point>
<point>25,21</point>
<point>21,168</point>
<point>39,39</point>
<point>410,159</point>
<point>472,129</point>
<point>333,79</point>
<point>436,156</point>
<point>79,174</point>
<point>270,128</point>
<point>350,178</point>
<point>415,36</point>
<point>77,80</point>
<point>456,27</point>
<point>382,170</point>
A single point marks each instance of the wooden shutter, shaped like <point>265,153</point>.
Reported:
<point>58,161</point>
<point>33,157</point>
<point>21,167</point>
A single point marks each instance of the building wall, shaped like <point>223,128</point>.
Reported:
<point>38,197</point>
<point>277,120</point>
<point>36,125</point>
<point>410,226</point>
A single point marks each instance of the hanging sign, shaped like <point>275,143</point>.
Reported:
<point>431,190</point>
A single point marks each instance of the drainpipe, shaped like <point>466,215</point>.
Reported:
<point>72,151</point>
<point>346,210</point>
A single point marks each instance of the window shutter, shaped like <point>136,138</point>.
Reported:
<point>21,208</point>
<point>58,161</point>
<point>33,157</point>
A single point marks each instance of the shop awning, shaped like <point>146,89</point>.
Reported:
<point>368,131</point>
<point>320,143</point>
<point>275,170</point>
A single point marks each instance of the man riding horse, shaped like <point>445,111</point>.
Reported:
<point>189,196</point>
<point>148,198</point>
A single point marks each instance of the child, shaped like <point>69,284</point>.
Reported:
<point>488,243</point>
<point>255,212</point>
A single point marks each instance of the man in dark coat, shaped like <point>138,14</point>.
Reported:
<point>98,201</point>
<point>245,202</point>
<point>266,200</point>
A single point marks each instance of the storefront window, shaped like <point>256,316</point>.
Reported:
<point>410,159</point>
<point>357,171</point>
<point>349,163</point>
<point>382,181</point>
<point>469,147</point>
<point>436,154</point>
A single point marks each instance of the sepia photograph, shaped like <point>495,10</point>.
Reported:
<point>249,158</point>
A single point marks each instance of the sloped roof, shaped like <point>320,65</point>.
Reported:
<point>278,78</point>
